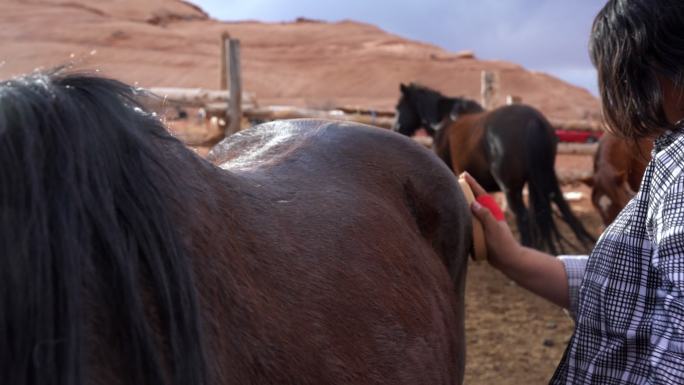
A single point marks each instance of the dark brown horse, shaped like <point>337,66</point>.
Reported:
<point>315,253</point>
<point>503,149</point>
<point>618,168</point>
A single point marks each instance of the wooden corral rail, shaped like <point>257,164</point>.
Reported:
<point>577,148</point>
<point>380,118</point>
<point>563,148</point>
<point>571,177</point>
<point>580,125</point>
<point>219,99</point>
<point>194,97</point>
<point>286,112</point>
<point>366,111</point>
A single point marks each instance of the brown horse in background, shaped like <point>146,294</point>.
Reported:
<point>618,169</point>
<point>504,149</point>
<point>315,253</point>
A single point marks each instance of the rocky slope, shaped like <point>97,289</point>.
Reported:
<point>305,63</point>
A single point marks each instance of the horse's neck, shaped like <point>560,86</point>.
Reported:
<point>462,135</point>
<point>445,108</point>
<point>444,118</point>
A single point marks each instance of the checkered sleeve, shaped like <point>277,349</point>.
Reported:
<point>574,269</point>
<point>667,339</point>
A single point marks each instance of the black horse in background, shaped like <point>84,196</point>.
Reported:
<point>503,149</point>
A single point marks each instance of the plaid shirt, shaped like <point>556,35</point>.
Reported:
<point>629,321</point>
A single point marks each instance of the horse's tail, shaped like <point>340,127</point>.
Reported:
<point>93,278</point>
<point>544,189</point>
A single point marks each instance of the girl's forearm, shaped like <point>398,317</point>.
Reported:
<point>540,273</point>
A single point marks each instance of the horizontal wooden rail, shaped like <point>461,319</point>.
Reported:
<point>286,112</point>
<point>193,97</point>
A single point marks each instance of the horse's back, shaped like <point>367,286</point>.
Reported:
<point>519,139</point>
<point>359,239</point>
<point>326,159</point>
<point>518,122</point>
<point>489,142</point>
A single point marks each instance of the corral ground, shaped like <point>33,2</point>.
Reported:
<point>513,336</point>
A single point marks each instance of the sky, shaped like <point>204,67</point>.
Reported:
<point>542,35</point>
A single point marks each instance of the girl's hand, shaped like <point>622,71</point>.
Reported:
<point>502,248</point>
<point>541,273</point>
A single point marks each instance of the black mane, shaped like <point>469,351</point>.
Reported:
<point>81,224</point>
<point>433,107</point>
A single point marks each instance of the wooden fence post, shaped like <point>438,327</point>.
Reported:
<point>223,81</point>
<point>234,113</point>
<point>513,99</point>
<point>489,89</point>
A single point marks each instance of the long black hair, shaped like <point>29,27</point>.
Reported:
<point>85,236</point>
<point>633,43</point>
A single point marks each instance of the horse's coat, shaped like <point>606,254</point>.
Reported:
<point>316,253</point>
<point>503,150</point>
<point>618,168</point>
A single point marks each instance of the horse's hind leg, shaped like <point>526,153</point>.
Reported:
<point>580,232</point>
<point>522,217</point>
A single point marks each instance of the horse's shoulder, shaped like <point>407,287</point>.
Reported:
<point>470,118</point>
<point>467,124</point>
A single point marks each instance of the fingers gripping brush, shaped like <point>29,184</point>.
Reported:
<point>479,249</point>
